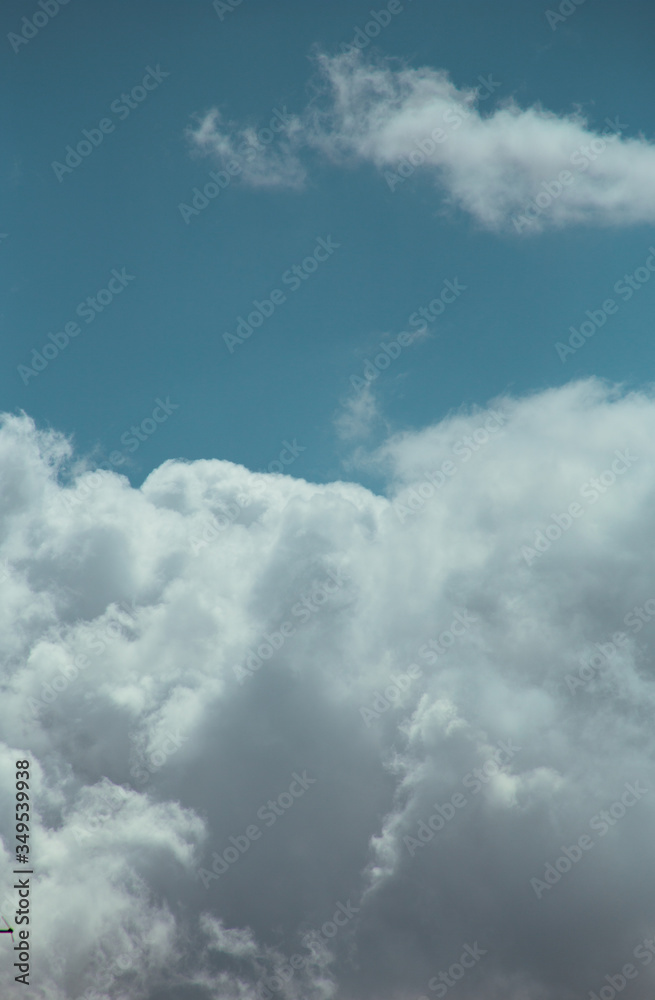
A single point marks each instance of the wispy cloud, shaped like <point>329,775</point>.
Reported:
<point>358,416</point>
<point>263,157</point>
<point>496,161</point>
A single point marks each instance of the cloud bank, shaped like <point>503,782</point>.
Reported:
<point>303,741</point>
<point>521,169</point>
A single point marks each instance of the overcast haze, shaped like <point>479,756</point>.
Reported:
<point>327,458</point>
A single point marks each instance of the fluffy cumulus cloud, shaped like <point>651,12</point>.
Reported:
<point>522,169</point>
<point>296,741</point>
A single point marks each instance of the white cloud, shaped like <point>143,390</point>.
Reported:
<point>358,416</point>
<point>261,157</point>
<point>491,162</point>
<point>502,164</point>
<point>115,580</point>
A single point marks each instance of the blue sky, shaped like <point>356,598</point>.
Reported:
<point>164,335</point>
